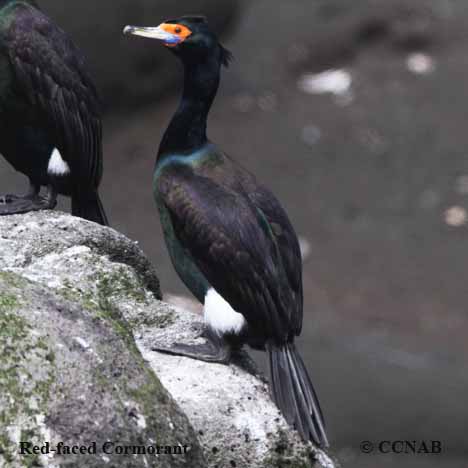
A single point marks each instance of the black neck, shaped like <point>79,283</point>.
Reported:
<point>187,130</point>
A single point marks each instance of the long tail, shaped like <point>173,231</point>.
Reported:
<point>89,207</point>
<point>294,393</point>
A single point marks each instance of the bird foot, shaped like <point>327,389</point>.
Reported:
<point>12,204</point>
<point>208,352</point>
<point>5,199</point>
<point>206,334</point>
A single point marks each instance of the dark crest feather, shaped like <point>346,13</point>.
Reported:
<point>196,18</point>
<point>226,56</point>
<point>199,19</point>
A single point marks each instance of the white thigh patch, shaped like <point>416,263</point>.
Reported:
<point>220,316</point>
<point>57,166</point>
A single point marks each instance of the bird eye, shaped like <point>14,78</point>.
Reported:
<point>177,30</point>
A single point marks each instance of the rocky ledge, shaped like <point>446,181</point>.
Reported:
<point>80,309</point>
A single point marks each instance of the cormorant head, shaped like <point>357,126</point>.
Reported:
<point>189,37</point>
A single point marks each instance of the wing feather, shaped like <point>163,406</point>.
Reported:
<point>228,240</point>
<point>51,73</point>
<point>288,246</point>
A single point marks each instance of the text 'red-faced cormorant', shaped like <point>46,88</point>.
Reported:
<point>229,239</point>
<point>50,126</point>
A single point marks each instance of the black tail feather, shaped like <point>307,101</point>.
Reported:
<point>294,393</point>
<point>307,385</point>
<point>90,208</point>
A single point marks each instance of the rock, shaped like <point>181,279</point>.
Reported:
<point>70,371</point>
<point>79,315</point>
<point>130,71</point>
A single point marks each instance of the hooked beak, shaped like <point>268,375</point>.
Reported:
<point>153,33</point>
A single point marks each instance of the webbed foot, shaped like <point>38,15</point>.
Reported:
<point>211,351</point>
<point>32,201</point>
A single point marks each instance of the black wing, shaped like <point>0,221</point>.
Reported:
<point>233,244</point>
<point>50,71</point>
<point>287,242</point>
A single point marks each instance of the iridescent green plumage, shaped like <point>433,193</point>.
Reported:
<point>229,238</point>
<point>217,217</point>
<point>48,102</point>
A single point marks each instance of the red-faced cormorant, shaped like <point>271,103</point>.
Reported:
<point>229,239</point>
<point>50,127</point>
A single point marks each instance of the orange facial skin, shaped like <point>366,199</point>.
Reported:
<point>178,30</point>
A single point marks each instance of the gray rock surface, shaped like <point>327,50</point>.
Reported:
<point>79,314</point>
<point>70,371</point>
<point>129,71</point>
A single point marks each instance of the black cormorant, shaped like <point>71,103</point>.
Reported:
<point>229,239</point>
<point>50,126</point>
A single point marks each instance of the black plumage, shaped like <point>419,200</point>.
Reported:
<point>228,235</point>
<point>241,240</point>
<point>48,106</point>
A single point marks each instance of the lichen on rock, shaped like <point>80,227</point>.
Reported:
<point>26,374</point>
<point>80,312</point>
